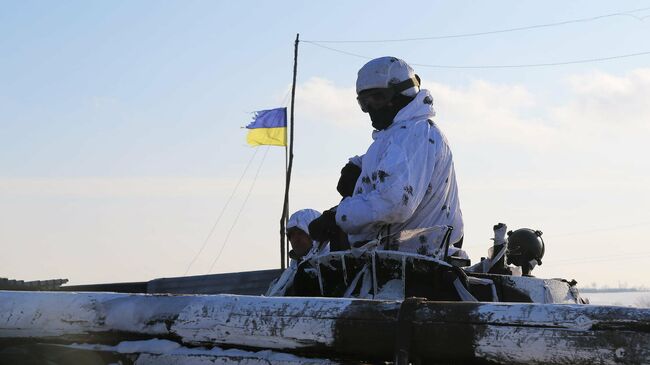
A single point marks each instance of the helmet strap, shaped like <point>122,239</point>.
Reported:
<point>406,84</point>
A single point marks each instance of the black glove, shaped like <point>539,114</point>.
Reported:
<point>324,227</point>
<point>349,175</point>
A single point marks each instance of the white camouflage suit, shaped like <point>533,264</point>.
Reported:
<point>407,182</point>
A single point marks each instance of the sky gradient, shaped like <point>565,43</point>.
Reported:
<point>121,129</point>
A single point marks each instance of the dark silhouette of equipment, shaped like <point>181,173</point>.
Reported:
<point>525,249</point>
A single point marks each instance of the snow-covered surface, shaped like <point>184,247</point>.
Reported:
<point>574,316</point>
<point>150,351</point>
<point>518,332</point>
<point>545,290</point>
<point>153,346</point>
<point>563,334</point>
<point>48,314</point>
<point>542,346</point>
<point>242,319</point>
<point>166,359</point>
<point>53,314</point>
<point>278,322</point>
<point>391,290</point>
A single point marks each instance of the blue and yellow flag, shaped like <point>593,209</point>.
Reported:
<point>269,127</point>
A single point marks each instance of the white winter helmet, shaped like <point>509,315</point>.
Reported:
<point>302,218</point>
<point>388,72</point>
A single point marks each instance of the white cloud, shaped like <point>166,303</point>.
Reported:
<point>599,108</point>
<point>320,101</point>
<point>607,103</point>
<point>600,83</point>
<point>489,113</point>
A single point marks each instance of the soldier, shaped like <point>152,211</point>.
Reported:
<point>406,179</point>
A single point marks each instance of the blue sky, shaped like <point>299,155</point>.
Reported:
<point>120,127</point>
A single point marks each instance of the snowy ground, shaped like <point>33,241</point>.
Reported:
<point>156,351</point>
<point>631,298</point>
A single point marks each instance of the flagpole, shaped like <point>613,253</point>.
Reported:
<point>284,246</point>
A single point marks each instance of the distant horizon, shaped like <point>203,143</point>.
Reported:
<point>592,288</point>
<point>604,289</point>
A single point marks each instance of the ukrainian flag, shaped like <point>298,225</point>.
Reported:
<point>269,127</point>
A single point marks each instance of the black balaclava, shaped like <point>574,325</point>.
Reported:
<point>383,117</point>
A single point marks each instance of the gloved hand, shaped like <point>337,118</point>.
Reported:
<point>349,175</point>
<point>324,227</point>
<point>499,234</point>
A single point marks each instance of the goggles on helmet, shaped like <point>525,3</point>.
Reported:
<point>379,97</point>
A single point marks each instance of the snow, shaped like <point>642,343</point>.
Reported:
<point>46,313</point>
<point>531,346</point>
<point>240,319</point>
<point>167,347</point>
<point>393,289</point>
<point>625,298</point>
<point>154,346</point>
<point>303,322</point>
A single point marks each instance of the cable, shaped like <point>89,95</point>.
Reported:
<point>225,241</point>
<point>285,100</point>
<point>466,35</point>
<point>214,226</point>
<point>589,60</point>
<point>338,50</point>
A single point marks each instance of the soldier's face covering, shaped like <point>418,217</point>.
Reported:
<point>382,116</point>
